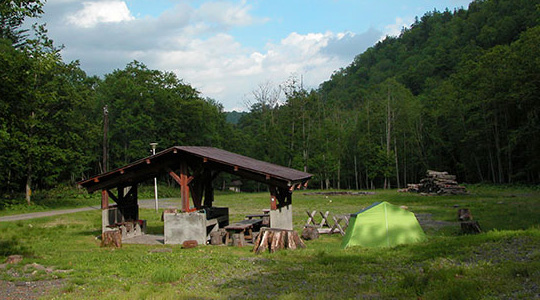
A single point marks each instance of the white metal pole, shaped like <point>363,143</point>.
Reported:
<point>155,178</point>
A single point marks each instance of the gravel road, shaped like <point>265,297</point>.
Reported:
<point>147,203</point>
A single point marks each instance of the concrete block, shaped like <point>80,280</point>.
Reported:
<point>181,227</point>
<point>282,218</point>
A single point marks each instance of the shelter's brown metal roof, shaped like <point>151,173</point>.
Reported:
<point>209,157</point>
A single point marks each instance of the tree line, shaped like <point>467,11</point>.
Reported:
<point>457,91</point>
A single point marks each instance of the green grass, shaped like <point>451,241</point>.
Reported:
<point>501,263</point>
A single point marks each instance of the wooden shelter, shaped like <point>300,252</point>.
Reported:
<point>193,168</point>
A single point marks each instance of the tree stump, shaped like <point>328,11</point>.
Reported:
<point>464,214</point>
<point>470,227</point>
<point>273,239</point>
<point>238,240</point>
<point>111,238</point>
<point>217,237</point>
<point>310,233</point>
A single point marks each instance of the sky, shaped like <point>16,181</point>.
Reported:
<point>228,49</point>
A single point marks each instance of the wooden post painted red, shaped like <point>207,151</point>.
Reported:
<point>184,181</point>
<point>273,198</point>
<point>104,199</point>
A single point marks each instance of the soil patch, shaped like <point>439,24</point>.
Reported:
<point>10,290</point>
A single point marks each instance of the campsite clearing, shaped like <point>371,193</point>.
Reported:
<point>501,263</point>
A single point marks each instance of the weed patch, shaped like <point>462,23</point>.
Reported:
<point>166,275</point>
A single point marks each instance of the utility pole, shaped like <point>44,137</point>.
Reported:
<point>105,139</point>
<point>104,194</point>
<point>155,178</point>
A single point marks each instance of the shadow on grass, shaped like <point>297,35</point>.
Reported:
<point>13,246</point>
<point>323,276</point>
<point>155,229</point>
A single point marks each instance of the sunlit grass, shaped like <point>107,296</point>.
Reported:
<point>502,263</point>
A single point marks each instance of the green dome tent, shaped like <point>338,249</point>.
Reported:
<point>382,225</point>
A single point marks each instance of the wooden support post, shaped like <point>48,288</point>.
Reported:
<point>196,190</point>
<point>184,186</point>
<point>273,198</point>
<point>104,199</point>
<point>208,189</point>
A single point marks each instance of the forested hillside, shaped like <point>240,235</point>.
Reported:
<point>458,91</point>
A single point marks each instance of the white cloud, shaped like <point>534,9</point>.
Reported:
<point>94,13</point>
<point>197,45</point>
<point>395,29</point>
<point>226,13</point>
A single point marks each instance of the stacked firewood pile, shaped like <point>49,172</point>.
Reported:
<point>440,183</point>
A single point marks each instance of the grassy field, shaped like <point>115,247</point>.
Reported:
<point>501,263</point>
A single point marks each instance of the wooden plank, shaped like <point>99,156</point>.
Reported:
<point>324,221</point>
<point>311,218</point>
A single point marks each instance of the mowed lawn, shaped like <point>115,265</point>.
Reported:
<point>501,263</point>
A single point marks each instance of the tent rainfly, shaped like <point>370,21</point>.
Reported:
<point>382,225</point>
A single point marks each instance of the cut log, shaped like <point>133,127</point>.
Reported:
<point>273,239</point>
<point>190,244</point>
<point>464,214</point>
<point>111,238</point>
<point>310,233</point>
<point>440,183</point>
<point>217,237</point>
<point>238,240</point>
<point>470,227</point>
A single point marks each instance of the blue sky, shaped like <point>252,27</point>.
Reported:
<point>229,49</point>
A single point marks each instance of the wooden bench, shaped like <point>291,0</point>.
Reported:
<point>245,227</point>
<point>264,217</point>
<point>260,216</point>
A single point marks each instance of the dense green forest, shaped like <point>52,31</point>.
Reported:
<point>457,91</point>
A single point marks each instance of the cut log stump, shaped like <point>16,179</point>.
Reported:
<point>190,244</point>
<point>217,237</point>
<point>310,233</point>
<point>111,238</point>
<point>238,240</point>
<point>464,214</point>
<point>273,239</point>
<point>470,227</point>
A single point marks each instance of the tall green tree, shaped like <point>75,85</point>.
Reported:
<point>152,106</point>
<point>43,118</point>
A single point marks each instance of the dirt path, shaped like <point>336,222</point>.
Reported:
<point>46,214</point>
<point>163,203</point>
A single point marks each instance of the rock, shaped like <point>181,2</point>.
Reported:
<point>35,266</point>
<point>14,259</point>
